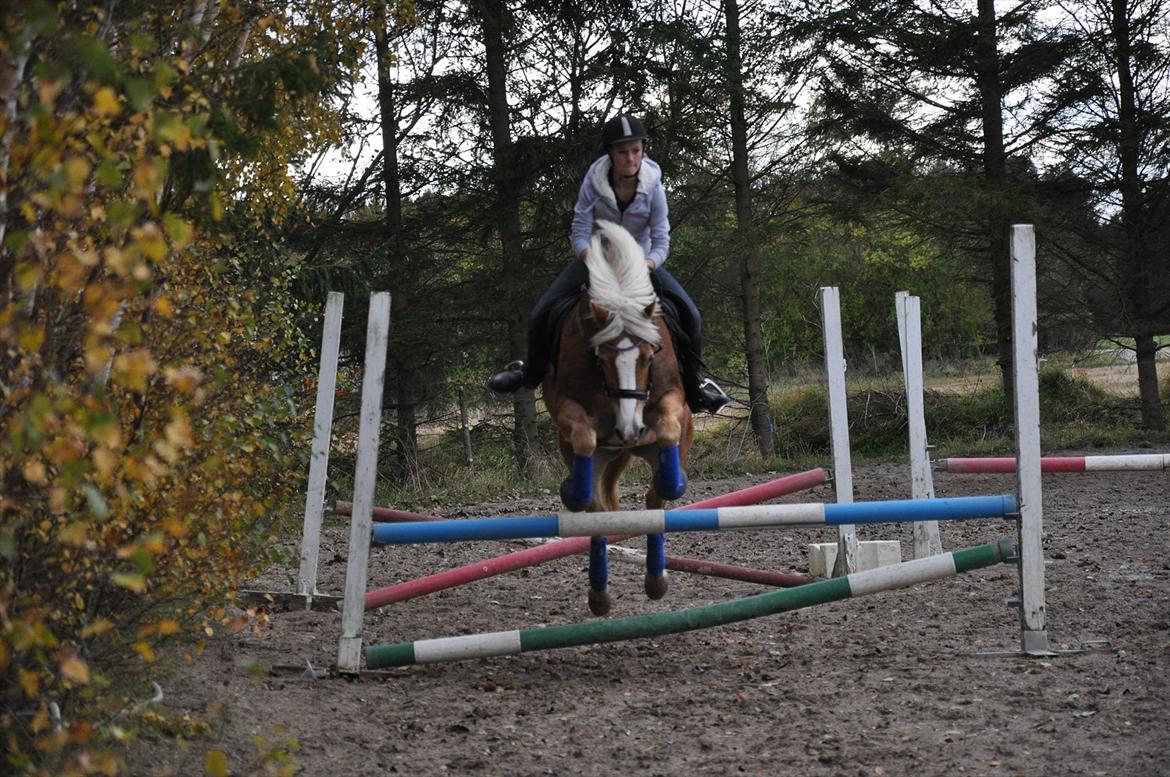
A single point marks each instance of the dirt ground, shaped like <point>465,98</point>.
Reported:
<point>888,684</point>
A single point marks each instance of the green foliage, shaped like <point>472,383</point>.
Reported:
<point>868,260</point>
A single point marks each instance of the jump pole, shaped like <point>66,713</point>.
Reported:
<point>531,557</point>
<point>503,643</point>
<point>382,514</point>
<point>1049,464</point>
<point>927,541</point>
<point>750,495</point>
<point>568,524</point>
<point>697,566</point>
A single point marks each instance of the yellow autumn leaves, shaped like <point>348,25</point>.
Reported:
<point>148,432</point>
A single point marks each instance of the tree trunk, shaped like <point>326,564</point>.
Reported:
<point>750,265</point>
<point>998,219</point>
<point>507,217</point>
<point>1153,417</point>
<point>1135,270</point>
<point>12,67</point>
<point>401,358</point>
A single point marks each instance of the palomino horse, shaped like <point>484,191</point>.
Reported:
<point>616,393</point>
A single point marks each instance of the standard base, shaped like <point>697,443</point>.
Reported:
<point>286,600</point>
<point>871,554</point>
<point>349,655</point>
<point>1036,643</point>
<point>1088,646</point>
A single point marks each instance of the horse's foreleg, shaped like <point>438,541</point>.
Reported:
<point>599,600</point>
<point>574,426</point>
<point>670,481</point>
<point>577,488</point>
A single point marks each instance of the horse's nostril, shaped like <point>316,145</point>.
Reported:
<point>641,432</point>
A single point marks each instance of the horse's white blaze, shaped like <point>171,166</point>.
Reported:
<point>629,415</point>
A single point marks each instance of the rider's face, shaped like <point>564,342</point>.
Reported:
<point>626,157</point>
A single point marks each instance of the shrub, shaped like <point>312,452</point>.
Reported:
<point>147,377</point>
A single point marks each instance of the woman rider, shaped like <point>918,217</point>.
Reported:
<point>625,187</point>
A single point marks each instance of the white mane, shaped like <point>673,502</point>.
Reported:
<point>619,281</point>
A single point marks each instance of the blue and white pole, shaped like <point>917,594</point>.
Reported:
<point>573,524</point>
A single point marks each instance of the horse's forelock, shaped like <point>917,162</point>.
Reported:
<point>620,282</point>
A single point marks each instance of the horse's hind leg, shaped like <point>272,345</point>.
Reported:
<point>656,582</point>
<point>599,599</point>
<point>605,497</point>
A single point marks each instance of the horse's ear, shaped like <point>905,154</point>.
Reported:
<point>648,311</point>
<point>600,314</point>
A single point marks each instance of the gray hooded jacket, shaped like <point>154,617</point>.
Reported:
<point>645,218</point>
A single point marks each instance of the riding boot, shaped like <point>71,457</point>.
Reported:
<point>567,286</point>
<point>509,380</point>
<point>712,397</point>
<point>702,394</point>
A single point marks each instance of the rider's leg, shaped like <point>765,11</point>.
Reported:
<point>702,391</point>
<point>529,373</point>
<point>689,317</point>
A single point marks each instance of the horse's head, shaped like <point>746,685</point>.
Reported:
<point>626,363</point>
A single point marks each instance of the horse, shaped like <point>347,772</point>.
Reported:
<point>615,392</point>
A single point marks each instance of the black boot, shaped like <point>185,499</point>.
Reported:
<point>510,380</point>
<point>712,397</point>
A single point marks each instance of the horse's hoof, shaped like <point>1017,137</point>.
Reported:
<point>599,602</point>
<point>656,586</point>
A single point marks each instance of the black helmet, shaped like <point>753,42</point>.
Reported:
<point>622,127</point>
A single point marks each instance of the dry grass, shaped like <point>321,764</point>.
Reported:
<point>1119,377</point>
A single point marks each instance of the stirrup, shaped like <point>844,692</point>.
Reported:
<point>714,397</point>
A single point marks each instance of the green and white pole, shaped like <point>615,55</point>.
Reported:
<point>504,643</point>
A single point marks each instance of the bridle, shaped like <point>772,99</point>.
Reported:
<point>621,393</point>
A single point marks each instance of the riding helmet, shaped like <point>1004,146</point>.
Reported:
<point>622,127</point>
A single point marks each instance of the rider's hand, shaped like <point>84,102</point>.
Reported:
<point>650,265</point>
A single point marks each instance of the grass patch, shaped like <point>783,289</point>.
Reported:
<point>1074,412</point>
